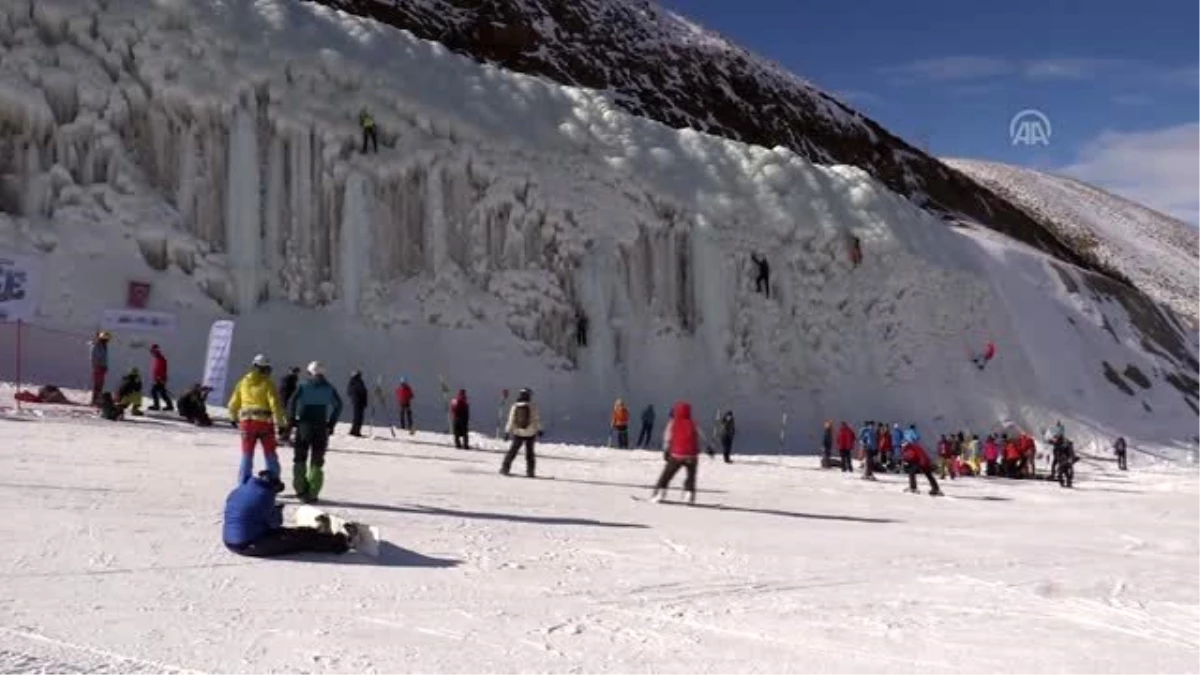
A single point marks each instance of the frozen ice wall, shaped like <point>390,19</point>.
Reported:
<point>498,206</point>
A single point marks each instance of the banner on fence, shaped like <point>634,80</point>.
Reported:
<point>138,320</point>
<point>20,286</point>
<point>216,363</point>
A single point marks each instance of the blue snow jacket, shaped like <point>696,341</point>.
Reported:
<point>316,402</point>
<point>911,436</point>
<point>866,436</point>
<point>897,437</point>
<point>250,513</point>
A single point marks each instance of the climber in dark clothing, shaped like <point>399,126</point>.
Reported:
<point>368,130</point>
<point>581,329</point>
<point>1120,451</point>
<point>356,391</point>
<point>762,279</point>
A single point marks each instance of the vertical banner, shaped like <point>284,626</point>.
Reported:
<point>20,286</point>
<point>216,363</point>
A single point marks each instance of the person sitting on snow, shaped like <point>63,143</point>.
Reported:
<point>129,392</point>
<point>254,524</point>
<point>193,405</point>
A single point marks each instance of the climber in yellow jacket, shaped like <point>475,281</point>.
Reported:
<point>256,407</point>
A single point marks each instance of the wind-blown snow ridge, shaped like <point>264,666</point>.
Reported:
<point>1160,254</point>
<point>213,146</point>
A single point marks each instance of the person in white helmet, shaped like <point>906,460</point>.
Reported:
<point>312,412</point>
<point>258,412</point>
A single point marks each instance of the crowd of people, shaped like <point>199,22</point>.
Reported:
<point>304,413</point>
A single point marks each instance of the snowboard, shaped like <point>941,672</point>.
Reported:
<point>682,501</point>
<point>308,515</point>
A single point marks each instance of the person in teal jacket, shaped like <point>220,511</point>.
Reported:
<point>313,412</point>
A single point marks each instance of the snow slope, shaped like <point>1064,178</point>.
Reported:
<point>211,147</point>
<point>113,563</point>
<point>1156,252</point>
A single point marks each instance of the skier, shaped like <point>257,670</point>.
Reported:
<point>866,438</point>
<point>827,445</point>
<point>192,406</point>
<point>725,432</point>
<point>524,424</point>
<point>762,277</point>
<point>460,419</point>
<point>158,378</point>
<point>368,130</point>
<point>645,436</point>
<point>129,392</point>
<point>253,524</point>
<point>581,329</point>
<point>404,397</point>
<point>620,423</point>
<point>314,411</point>
<point>1120,451</point>
<point>845,445</point>
<point>256,408</point>
<point>287,389</point>
<point>916,460</point>
<point>99,356</point>
<point>681,448</point>
<point>1063,467</point>
<point>356,391</point>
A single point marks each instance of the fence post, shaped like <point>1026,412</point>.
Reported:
<point>16,395</point>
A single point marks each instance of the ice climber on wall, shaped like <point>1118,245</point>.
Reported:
<point>257,412</point>
<point>313,411</point>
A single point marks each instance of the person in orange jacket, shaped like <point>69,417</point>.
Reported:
<point>620,423</point>
<point>1012,458</point>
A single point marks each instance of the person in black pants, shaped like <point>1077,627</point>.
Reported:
<point>762,278</point>
<point>725,433</point>
<point>1121,452</point>
<point>647,431</point>
<point>254,524</point>
<point>314,412</point>
<point>827,445</point>
<point>460,420</point>
<point>524,425</point>
<point>356,391</point>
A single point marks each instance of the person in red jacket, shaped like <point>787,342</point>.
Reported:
<point>158,378</point>
<point>845,445</point>
<point>681,441</point>
<point>404,397</point>
<point>1028,455</point>
<point>885,446</point>
<point>1012,458</point>
<point>916,460</point>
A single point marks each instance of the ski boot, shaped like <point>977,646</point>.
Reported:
<point>657,497</point>
<point>936,493</point>
<point>912,491</point>
<point>691,499</point>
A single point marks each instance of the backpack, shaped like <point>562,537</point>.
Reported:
<point>521,416</point>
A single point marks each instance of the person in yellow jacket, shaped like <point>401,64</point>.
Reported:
<point>256,407</point>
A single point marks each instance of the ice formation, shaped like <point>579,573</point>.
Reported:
<point>222,137</point>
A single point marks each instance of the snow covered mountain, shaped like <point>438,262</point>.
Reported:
<point>212,148</point>
<point>654,63</point>
<point>1157,253</point>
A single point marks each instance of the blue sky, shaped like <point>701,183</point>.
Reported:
<point>1118,80</point>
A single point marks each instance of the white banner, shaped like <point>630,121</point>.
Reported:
<point>20,286</point>
<point>216,363</point>
<point>138,320</point>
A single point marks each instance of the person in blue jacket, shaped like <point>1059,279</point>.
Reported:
<point>866,436</point>
<point>313,412</point>
<point>254,524</point>
<point>911,435</point>
<point>897,437</point>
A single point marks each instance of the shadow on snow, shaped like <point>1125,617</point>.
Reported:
<point>481,515</point>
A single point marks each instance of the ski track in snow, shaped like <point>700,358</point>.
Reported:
<point>500,574</point>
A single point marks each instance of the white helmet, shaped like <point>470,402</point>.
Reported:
<point>261,361</point>
<point>315,368</point>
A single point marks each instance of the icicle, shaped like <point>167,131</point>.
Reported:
<point>242,227</point>
<point>355,240</point>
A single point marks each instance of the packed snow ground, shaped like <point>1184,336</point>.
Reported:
<point>113,563</point>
